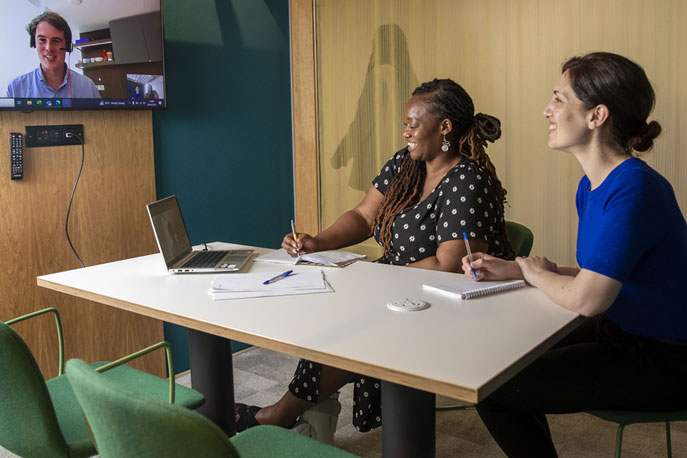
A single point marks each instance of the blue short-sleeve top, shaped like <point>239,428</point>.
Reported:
<point>631,229</point>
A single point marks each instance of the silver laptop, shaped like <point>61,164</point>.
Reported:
<point>172,239</point>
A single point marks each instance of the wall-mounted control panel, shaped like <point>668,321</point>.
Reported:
<point>36,136</point>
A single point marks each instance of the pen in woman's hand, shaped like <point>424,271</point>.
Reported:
<point>293,231</point>
<point>467,247</point>
<point>294,234</point>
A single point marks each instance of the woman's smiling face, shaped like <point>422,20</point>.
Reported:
<point>568,118</point>
<point>422,129</point>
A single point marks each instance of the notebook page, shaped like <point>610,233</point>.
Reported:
<point>464,288</point>
<point>332,258</point>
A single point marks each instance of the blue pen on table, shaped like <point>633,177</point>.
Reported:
<point>278,277</point>
<point>467,247</point>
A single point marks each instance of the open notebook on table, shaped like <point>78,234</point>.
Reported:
<point>330,258</point>
<point>462,287</point>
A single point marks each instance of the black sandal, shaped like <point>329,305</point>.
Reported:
<point>246,416</point>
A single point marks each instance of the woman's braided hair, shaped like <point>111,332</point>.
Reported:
<point>448,100</point>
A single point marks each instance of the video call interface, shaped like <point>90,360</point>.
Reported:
<point>81,55</point>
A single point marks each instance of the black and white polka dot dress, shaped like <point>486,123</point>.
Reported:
<point>465,200</point>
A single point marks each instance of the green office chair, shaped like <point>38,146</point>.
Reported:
<point>43,418</point>
<point>127,423</point>
<point>629,417</point>
<point>520,237</point>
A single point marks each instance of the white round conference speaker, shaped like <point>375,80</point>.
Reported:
<point>408,305</point>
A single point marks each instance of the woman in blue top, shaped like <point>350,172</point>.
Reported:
<point>632,257</point>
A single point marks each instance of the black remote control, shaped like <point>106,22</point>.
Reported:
<point>17,155</point>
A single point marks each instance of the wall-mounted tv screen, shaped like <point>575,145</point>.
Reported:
<point>81,54</point>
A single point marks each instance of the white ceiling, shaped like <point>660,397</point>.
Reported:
<point>87,15</point>
<point>141,79</point>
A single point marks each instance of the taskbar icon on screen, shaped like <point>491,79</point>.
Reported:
<point>43,103</point>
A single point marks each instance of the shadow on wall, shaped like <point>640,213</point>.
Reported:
<point>370,139</point>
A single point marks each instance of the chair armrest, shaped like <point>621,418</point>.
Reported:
<point>59,330</point>
<point>145,351</point>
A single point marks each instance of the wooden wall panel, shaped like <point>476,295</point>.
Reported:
<point>303,81</point>
<point>108,222</point>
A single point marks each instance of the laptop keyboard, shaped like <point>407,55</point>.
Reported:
<point>205,259</point>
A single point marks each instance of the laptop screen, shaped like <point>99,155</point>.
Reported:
<point>169,229</point>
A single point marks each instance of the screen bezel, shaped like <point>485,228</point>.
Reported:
<point>108,103</point>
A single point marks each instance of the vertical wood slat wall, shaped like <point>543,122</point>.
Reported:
<point>108,222</point>
<point>507,54</point>
<point>304,103</point>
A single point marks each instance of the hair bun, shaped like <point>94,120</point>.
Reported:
<point>488,127</point>
<point>645,140</point>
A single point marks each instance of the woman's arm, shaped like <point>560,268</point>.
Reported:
<point>582,291</point>
<point>352,227</point>
<point>570,271</point>
<point>449,255</point>
<point>587,293</point>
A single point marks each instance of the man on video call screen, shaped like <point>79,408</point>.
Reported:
<point>51,35</point>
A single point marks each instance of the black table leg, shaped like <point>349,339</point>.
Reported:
<point>408,422</point>
<point>212,375</point>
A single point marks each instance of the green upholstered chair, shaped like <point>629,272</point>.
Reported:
<point>43,418</point>
<point>629,417</point>
<point>127,423</point>
<point>520,237</point>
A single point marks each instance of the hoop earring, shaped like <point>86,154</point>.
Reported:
<point>445,144</point>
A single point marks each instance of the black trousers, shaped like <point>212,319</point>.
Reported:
<point>598,366</point>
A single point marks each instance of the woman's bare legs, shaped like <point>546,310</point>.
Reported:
<point>287,410</point>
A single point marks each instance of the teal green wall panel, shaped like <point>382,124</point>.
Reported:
<point>224,144</point>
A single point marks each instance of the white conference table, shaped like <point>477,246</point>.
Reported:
<point>460,349</point>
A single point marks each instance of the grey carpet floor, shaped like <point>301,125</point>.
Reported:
<point>261,376</point>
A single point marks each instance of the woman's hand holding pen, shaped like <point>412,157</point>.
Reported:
<point>303,243</point>
<point>296,244</point>
<point>491,268</point>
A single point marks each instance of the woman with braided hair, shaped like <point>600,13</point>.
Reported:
<point>428,194</point>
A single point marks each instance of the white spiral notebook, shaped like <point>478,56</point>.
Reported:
<point>464,288</point>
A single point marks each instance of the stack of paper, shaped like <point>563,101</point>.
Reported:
<point>331,258</point>
<point>239,286</point>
